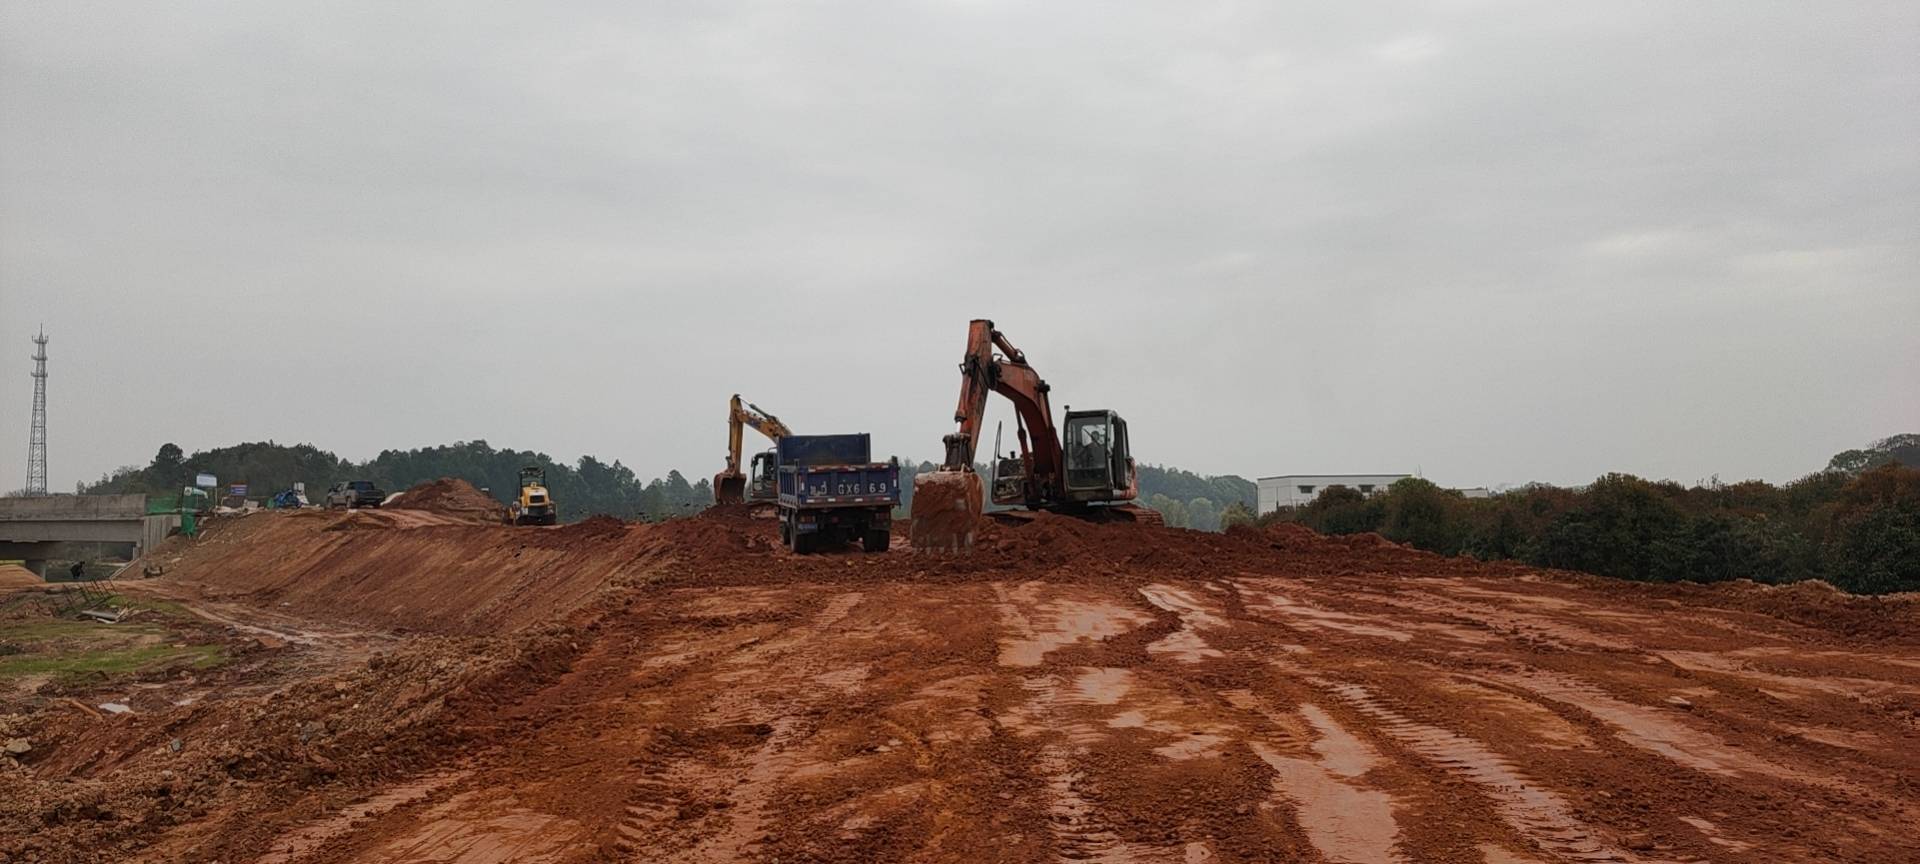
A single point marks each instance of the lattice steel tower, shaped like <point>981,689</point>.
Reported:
<point>37,439</point>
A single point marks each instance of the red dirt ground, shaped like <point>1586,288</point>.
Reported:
<point>691,692</point>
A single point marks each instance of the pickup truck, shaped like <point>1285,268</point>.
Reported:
<point>353,494</point>
<point>831,492</point>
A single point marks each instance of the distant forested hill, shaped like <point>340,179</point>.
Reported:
<point>1188,500</point>
<point>584,488</point>
<point>1897,450</point>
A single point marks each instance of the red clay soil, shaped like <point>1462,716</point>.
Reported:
<point>416,569</point>
<point>453,498</point>
<point>1075,692</point>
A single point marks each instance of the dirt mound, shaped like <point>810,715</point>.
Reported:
<point>449,496</point>
<point>1894,618</point>
<point>15,576</point>
<point>415,570</point>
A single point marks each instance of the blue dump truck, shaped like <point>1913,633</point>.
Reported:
<point>832,492</point>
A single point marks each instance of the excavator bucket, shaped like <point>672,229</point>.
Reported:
<point>946,510</point>
<point>729,488</point>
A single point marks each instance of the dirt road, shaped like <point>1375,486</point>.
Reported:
<point>1076,694</point>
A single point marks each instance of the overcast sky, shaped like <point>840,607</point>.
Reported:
<point>1494,242</point>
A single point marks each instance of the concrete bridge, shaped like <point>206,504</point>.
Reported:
<point>78,527</point>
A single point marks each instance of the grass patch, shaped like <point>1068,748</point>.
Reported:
<point>72,651</point>
<point>113,663</point>
<point>164,607</point>
<point>69,629</point>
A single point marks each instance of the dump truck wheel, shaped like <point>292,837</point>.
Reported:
<point>876,540</point>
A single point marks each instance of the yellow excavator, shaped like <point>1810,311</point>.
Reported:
<point>730,486</point>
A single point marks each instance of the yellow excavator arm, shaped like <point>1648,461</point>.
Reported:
<point>729,486</point>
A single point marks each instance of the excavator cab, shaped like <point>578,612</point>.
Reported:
<point>766,474</point>
<point>1099,461</point>
<point>1009,480</point>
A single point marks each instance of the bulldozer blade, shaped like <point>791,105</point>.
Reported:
<point>946,510</point>
<point>729,488</point>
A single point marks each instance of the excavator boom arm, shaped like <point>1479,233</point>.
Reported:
<point>1008,375</point>
<point>741,416</point>
<point>762,422</point>
<point>729,486</point>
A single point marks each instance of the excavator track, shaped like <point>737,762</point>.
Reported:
<point>1133,513</point>
<point>1140,515</point>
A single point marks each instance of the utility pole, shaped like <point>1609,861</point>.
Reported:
<point>37,439</point>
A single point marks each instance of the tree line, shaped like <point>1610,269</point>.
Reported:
<point>1855,525</point>
<point>1188,500</point>
<point>587,487</point>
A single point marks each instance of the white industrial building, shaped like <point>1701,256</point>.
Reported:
<point>1294,490</point>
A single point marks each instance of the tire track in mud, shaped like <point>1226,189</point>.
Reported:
<point>650,804</point>
<point>1537,814</point>
<point>1079,832</point>
<point>1349,821</point>
<point>1058,711</point>
<point>765,696</point>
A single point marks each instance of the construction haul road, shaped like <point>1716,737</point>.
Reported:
<point>1070,692</point>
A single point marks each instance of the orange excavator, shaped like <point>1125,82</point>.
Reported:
<point>1083,468</point>
<point>730,486</point>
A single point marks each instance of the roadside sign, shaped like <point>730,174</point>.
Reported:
<point>238,490</point>
<point>205,481</point>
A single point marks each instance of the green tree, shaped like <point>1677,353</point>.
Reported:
<point>168,472</point>
<point>1425,516</point>
<point>1623,527</point>
<point>1874,541</point>
<point>1201,515</point>
<point>1235,513</point>
<point>1341,509</point>
<point>1171,511</point>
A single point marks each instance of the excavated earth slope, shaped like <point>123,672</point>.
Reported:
<point>1071,692</point>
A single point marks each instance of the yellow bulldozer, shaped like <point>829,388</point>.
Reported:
<point>534,505</point>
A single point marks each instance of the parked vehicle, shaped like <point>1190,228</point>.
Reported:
<point>832,492</point>
<point>292,499</point>
<point>354,494</point>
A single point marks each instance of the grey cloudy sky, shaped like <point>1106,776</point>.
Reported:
<point>1498,242</point>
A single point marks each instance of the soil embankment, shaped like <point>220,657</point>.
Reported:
<point>692,692</point>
